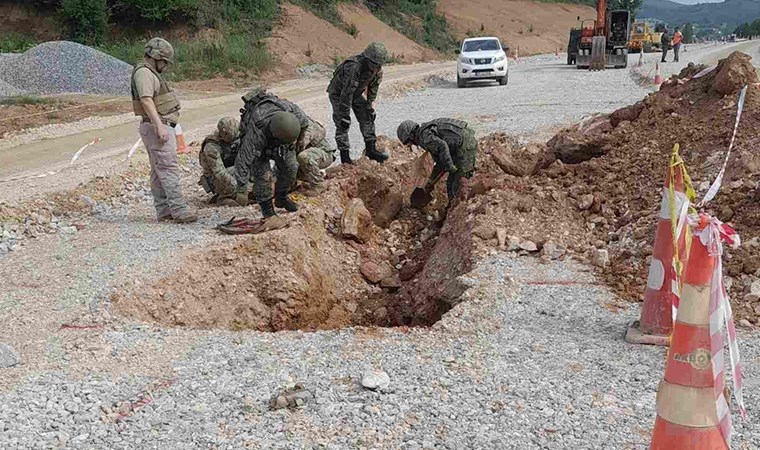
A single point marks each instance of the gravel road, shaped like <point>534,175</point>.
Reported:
<point>527,362</point>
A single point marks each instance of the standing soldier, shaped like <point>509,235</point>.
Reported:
<point>269,129</point>
<point>158,105</point>
<point>355,78</point>
<point>217,158</point>
<point>452,145</point>
<point>664,44</point>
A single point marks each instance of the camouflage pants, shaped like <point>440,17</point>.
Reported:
<point>317,155</point>
<point>220,179</point>
<point>365,115</point>
<point>164,172</point>
<point>464,158</point>
<point>286,166</point>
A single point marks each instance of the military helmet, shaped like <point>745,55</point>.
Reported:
<point>404,131</point>
<point>376,52</point>
<point>285,126</point>
<point>160,49</point>
<point>228,129</point>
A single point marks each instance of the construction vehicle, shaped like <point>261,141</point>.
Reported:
<point>572,45</point>
<point>604,41</point>
<point>643,39</point>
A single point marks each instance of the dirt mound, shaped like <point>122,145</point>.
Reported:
<point>622,158</point>
<point>327,44</point>
<point>307,276</point>
<point>536,27</point>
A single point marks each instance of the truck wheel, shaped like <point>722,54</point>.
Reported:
<point>569,58</point>
<point>460,82</point>
<point>504,80</point>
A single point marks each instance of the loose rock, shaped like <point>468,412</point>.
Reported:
<point>375,379</point>
<point>357,221</point>
<point>8,357</point>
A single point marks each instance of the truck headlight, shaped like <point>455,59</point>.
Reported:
<point>464,60</point>
<point>501,57</point>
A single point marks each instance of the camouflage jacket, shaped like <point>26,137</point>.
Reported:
<point>352,76</point>
<point>441,138</point>
<point>255,141</point>
<point>215,148</point>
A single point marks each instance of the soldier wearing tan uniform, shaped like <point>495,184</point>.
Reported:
<point>158,105</point>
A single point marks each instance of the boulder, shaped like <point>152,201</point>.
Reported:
<point>629,113</point>
<point>552,250</point>
<point>734,72</point>
<point>388,209</point>
<point>581,142</point>
<point>375,273</point>
<point>356,222</point>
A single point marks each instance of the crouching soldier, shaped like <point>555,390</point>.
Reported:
<point>314,155</point>
<point>452,145</point>
<point>217,158</point>
<point>269,129</point>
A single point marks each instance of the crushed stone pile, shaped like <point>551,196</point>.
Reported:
<point>63,67</point>
<point>614,166</point>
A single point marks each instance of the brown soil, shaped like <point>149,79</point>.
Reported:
<point>630,151</point>
<point>65,109</point>
<point>510,20</point>
<point>327,43</point>
<point>308,277</point>
<point>19,19</point>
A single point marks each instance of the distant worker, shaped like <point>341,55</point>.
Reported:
<point>217,158</point>
<point>677,40</point>
<point>664,43</point>
<point>354,85</point>
<point>314,155</point>
<point>269,130</point>
<point>452,145</point>
<point>158,105</point>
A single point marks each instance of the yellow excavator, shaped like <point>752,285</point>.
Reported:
<point>643,39</point>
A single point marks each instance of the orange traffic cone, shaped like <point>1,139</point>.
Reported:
<point>662,290</point>
<point>181,146</point>
<point>692,409</point>
<point>657,76</point>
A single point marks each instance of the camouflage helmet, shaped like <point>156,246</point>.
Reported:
<point>228,129</point>
<point>285,126</point>
<point>404,131</point>
<point>376,52</point>
<point>159,49</point>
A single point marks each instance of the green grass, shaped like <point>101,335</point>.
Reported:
<point>433,33</point>
<point>233,54</point>
<point>22,100</point>
<point>16,42</point>
<point>328,10</point>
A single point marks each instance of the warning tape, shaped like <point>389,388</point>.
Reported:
<point>715,187</point>
<point>82,148</point>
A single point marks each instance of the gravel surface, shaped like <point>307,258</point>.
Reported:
<point>64,67</point>
<point>526,362</point>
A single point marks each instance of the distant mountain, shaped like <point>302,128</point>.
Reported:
<point>731,12</point>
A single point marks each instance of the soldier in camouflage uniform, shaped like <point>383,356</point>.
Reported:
<point>314,155</point>
<point>452,145</point>
<point>354,85</point>
<point>269,129</point>
<point>217,158</point>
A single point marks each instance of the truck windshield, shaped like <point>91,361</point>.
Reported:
<point>639,29</point>
<point>481,45</point>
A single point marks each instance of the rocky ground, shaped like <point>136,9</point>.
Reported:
<point>116,343</point>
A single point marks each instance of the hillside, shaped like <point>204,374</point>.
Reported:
<point>730,12</point>
<point>534,27</point>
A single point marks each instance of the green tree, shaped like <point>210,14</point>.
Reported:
<point>631,5</point>
<point>688,33</point>
<point>85,19</point>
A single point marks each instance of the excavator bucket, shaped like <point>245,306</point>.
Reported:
<point>598,53</point>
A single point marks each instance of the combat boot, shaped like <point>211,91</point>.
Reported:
<point>345,157</point>
<point>267,209</point>
<point>371,151</point>
<point>286,203</point>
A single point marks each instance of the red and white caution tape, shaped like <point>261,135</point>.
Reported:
<point>715,187</point>
<point>133,149</point>
<point>712,237</point>
<point>81,149</point>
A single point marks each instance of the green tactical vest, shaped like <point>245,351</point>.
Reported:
<point>166,101</point>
